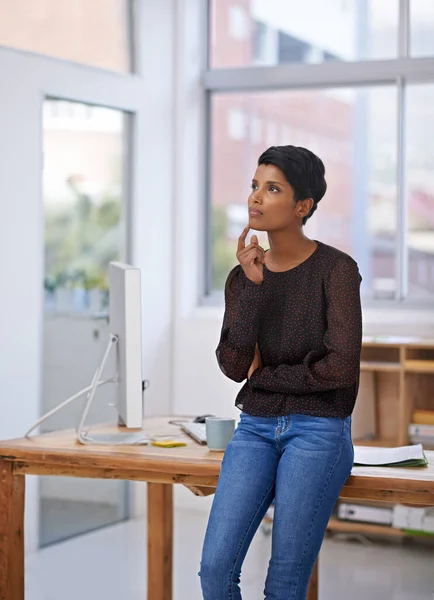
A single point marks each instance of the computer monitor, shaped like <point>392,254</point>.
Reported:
<point>125,340</point>
<point>125,317</point>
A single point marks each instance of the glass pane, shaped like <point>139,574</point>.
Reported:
<point>421,28</point>
<point>94,33</point>
<point>84,230</point>
<point>272,32</point>
<point>420,189</point>
<point>352,131</point>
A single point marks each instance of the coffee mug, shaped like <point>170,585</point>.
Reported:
<point>219,432</point>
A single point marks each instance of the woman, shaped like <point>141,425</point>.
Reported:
<point>292,328</point>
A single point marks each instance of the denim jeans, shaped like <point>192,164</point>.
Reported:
<point>301,462</point>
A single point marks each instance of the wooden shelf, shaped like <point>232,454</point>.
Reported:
<point>381,341</point>
<point>396,381</point>
<point>387,367</point>
<point>341,526</point>
<point>388,443</point>
<point>364,528</point>
<point>419,366</point>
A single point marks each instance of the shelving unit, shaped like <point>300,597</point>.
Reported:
<point>380,366</point>
<point>396,378</point>
<point>340,526</point>
<point>383,443</point>
<point>336,525</point>
<point>419,366</point>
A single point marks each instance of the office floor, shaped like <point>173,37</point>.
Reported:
<point>111,564</point>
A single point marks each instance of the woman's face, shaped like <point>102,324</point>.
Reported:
<point>271,203</point>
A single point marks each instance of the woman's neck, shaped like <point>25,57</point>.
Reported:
<point>288,250</point>
<point>289,246</point>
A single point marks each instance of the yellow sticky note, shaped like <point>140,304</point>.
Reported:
<point>168,444</point>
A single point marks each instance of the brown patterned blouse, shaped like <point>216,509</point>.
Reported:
<point>308,325</point>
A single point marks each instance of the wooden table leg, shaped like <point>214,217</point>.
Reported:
<point>312,593</point>
<point>160,541</point>
<point>11,533</point>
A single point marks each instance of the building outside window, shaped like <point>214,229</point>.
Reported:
<point>346,80</point>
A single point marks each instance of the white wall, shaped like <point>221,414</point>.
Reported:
<point>152,213</point>
<point>21,268</point>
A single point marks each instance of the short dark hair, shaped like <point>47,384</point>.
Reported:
<point>303,170</point>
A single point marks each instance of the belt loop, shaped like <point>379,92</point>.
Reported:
<point>279,427</point>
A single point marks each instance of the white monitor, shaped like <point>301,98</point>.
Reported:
<point>126,339</point>
<point>125,315</point>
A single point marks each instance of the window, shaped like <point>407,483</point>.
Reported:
<point>421,28</point>
<point>238,22</point>
<point>354,132</point>
<point>84,216</point>
<point>420,190</point>
<point>255,130</point>
<point>237,123</point>
<point>85,228</point>
<point>371,122</point>
<point>93,33</point>
<point>271,32</point>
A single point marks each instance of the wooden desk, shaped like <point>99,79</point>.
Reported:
<point>193,466</point>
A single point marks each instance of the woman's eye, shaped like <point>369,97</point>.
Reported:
<point>254,186</point>
<point>273,188</point>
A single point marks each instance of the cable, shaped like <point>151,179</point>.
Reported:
<point>68,401</point>
<point>95,383</point>
<point>90,391</point>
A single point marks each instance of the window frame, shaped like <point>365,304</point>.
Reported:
<point>398,72</point>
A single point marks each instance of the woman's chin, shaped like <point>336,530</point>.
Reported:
<point>255,223</point>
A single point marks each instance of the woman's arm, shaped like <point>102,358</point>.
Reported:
<point>243,305</point>
<point>340,366</point>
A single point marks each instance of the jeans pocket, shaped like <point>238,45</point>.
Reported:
<point>317,434</point>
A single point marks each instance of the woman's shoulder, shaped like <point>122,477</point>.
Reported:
<point>338,265</point>
<point>333,256</point>
<point>234,278</point>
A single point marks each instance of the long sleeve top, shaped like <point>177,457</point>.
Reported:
<point>307,323</point>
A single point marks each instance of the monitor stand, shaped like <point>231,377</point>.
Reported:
<point>113,439</point>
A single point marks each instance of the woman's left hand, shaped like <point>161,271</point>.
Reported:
<point>257,362</point>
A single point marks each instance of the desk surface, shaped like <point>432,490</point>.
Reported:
<point>62,447</point>
<point>60,454</point>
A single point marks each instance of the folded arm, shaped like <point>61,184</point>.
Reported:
<point>340,366</point>
<point>243,306</point>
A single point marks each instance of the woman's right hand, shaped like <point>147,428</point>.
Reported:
<point>251,258</point>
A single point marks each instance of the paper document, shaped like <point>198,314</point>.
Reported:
<point>403,456</point>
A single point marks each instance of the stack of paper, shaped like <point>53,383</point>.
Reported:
<point>403,456</point>
<point>413,518</point>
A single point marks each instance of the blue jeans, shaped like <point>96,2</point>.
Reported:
<point>300,462</point>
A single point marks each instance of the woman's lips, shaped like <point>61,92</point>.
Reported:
<point>254,212</point>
